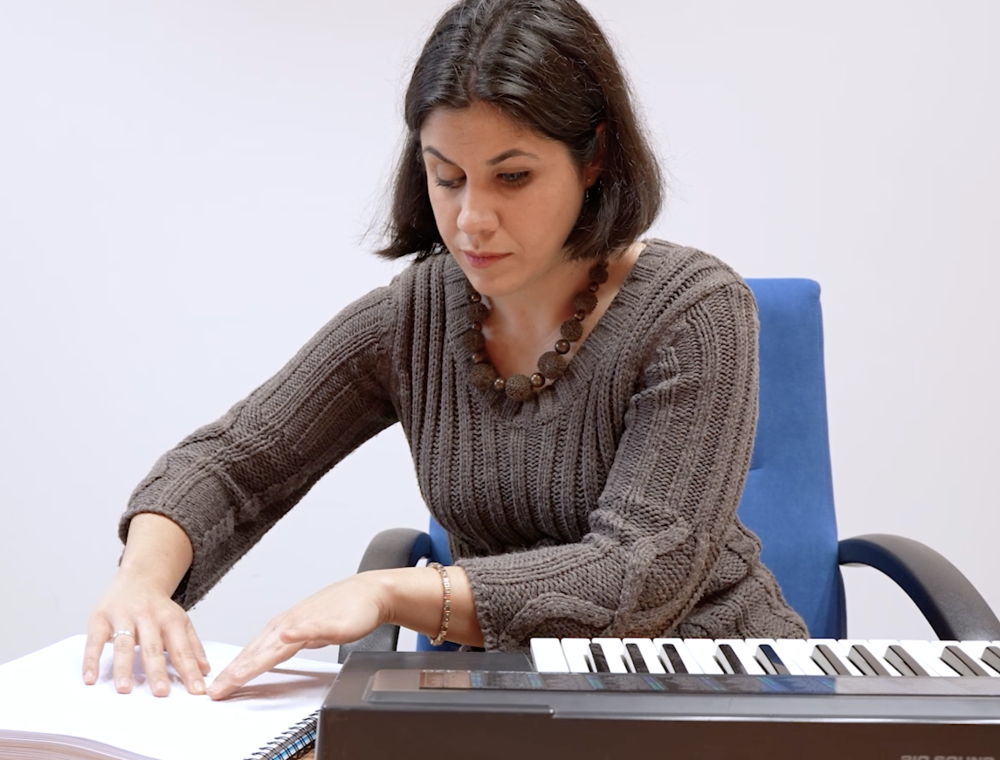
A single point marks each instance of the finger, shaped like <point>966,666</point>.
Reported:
<point>153,660</point>
<point>123,646</point>
<point>250,663</point>
<point>98,633</point>
<point>184,660</point>
<point>199,649</point>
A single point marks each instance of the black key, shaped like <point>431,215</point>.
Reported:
<point>866,662</point>
<point>961,663</point>
<point>903,661</point>
<point>770,661</point>
<point>638,663</point>
<point>991,656</point>
<point>674,658</point>
<point>600,661</point>
<point>729,657</point>
<point>829,662</point>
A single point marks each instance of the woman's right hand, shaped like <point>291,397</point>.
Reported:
<point>132,613</point>
<point>138,610</point>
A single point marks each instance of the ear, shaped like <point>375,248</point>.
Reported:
<point>592,169</point>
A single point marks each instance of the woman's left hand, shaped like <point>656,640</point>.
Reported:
<point>343,612</point>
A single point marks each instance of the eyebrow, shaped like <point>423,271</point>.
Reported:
<point>512,153</point>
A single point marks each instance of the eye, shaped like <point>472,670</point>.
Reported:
<point>448,183</point>
<point>514,178</point>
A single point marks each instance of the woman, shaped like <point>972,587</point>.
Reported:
<point>580,405</point>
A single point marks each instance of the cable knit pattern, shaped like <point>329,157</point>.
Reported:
<point>603,506</point>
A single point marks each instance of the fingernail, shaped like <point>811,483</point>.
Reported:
<point>89,676</point>
<point>162,687</point>
<point>123,683</point>
<point>198,687</point>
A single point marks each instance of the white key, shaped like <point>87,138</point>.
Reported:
<point>838,650</point>
<point>800,652</point>
<point>978,647</point>
<point>929,656</point>
<point>846,644</point>
<point>704,651</point>
<point>648,651</point>
<point>547,654</point>
<point>793,666</point>
<point>577,653</point>
<point>743,653</point>
<point>687,658</point>
<point>614,653</point>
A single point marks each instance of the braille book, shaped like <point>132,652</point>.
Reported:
<point>46,711</point>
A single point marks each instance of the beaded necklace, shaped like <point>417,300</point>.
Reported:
<point>551,364</point>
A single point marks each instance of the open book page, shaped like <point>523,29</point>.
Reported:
<point>43,693</point>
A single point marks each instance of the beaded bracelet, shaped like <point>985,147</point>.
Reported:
<point>446,607</point>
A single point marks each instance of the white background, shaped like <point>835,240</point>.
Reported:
<point>185,186</point>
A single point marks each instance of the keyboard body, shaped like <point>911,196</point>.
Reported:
<point>496,705</point>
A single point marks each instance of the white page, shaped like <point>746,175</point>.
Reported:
<point>44,693</point>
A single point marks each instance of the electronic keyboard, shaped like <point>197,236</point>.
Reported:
<point>665,698</point>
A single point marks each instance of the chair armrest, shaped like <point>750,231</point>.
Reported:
<point>949,601</point>
<point>396,547</point>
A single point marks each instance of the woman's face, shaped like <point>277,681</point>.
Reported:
<point>505,198</point>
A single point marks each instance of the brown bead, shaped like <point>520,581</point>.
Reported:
<point>537,380</point>
<point>479,357</point>
<point>499,384</point>
<point>475,297</point>
<point>551,364</point>
<point>571,330</point>
<point>562,346</point>
<point>518,387</point>
<point>474,341</point>
<point>599,273</point>
<point>477,326</point>
<point>586,302</point>
<point>477,312</point>
<point>592,287</point>
<point>580,315</point>
<point>483,376</point>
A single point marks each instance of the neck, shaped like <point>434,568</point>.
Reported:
<point>537,311</point>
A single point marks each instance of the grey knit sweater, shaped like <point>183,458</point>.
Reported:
<point>603,506</point>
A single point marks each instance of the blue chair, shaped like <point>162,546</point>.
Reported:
<point>788,497</point>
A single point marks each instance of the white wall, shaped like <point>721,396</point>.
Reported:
<point>184,186</point>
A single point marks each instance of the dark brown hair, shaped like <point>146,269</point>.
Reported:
<point>546,65</point>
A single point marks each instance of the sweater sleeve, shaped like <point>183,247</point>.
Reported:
<point>661,521</point>
<point>229,482</point>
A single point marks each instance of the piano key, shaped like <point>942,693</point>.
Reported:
<point>829,661</point>
<point>870,659</point>
<point>703,651</point>
<point>769,659</point>
<point>866,662</point>
<point>960,660</point>
<point>789,661</point>
<point>904,662</point>
<point>577,654</point>
<point>647,650</point>
<point>597,657</point>
<point>547,654</point>
<point>976,650</point>
<point>634,659</point>
<point>799,651</point>
<point>744,655</point>
<point>835,655</point>
<point>928,654</point>
<point>991,656</point>
<point>672,652</point>
<point>614,654</point>
<point>728,661</point>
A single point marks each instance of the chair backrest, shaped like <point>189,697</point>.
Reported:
<point>788,497</point>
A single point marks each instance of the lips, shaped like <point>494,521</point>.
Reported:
<point>481,259</point>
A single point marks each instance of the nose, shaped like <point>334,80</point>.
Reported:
<point>478,215</point>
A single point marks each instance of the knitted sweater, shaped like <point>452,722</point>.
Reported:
<point>603,506</point>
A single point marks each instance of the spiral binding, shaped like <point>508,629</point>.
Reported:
<point>295,742</point>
